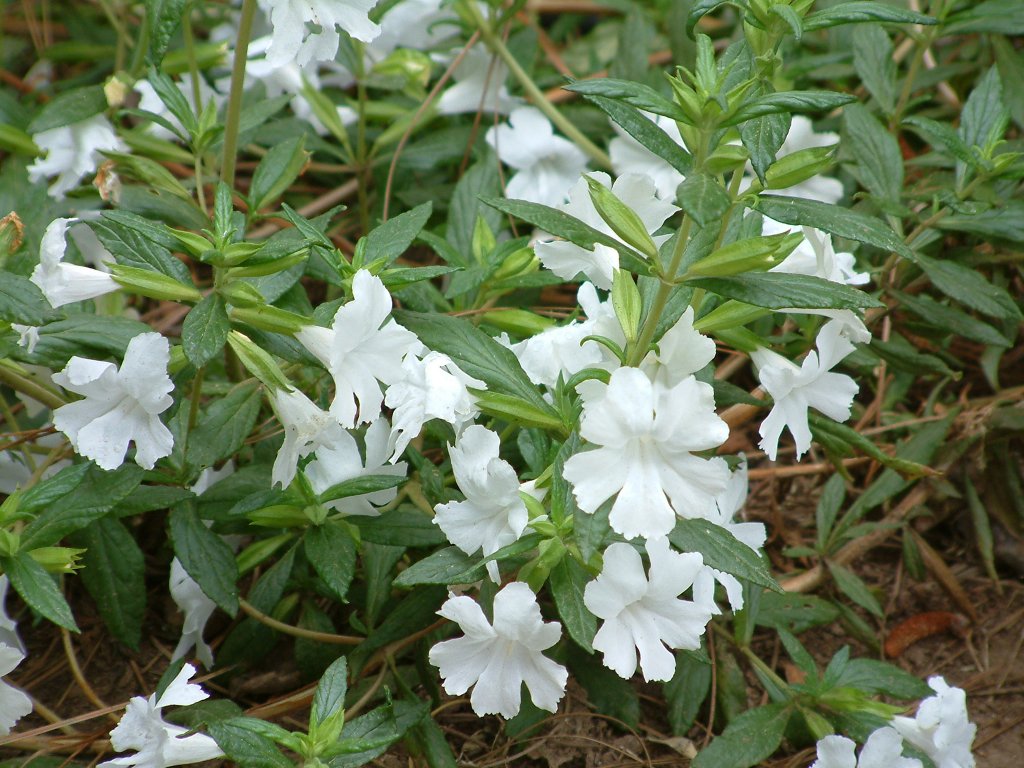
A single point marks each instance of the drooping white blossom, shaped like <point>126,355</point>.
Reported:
<point>812,384</point>
<point>942,728</point>
<point>156,743</point>
<point>646,436</point>
<point>493,514</point>
<point>883,749</point>
<point>362,350</point>
<point>567,259</point>
<point>121,405</point>
<point>72,151</point>
<point>546,165</point>
<point>498,658</point>
<point>630,156</point>
<point>197,607</point>
<point>339,460</point>
<point>479,84</point>
<point>14,703</point>
<point>67,283</point>
<point>306,428</point>
<point>643,612</point>
<point>307,30</point>
<point>416,24</point>
<point>430,388</point>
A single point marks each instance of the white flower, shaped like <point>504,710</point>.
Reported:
<point>682,351</point>
<point>14,703</point>
<point>644,613</point>
<point>499,658</point>
<point>159,744</point>
<point>306,428</point>
<point>415,24</point>
<point>546,164</point>
<point>567,259</point>
<point>431,388</point>
<point>197,607</point>
<point>883,749</point>
<point>562,351</point>
<point>493,514</point>
<point>809,385</point>
<point>646,436</point>
<point>294,41</point>
<point>71,152</point>
<point>8,626</point>
<point>816,256</point>
<point>363,347</point>
<point>630,156</point>
<point>67,283</point>
<point>479,86</point>
<point>28,336</point>
<point>339,460</point>
<point>941,729</point>
<point>121,404</point>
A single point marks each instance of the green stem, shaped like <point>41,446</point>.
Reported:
<point>497,46</point>
<point>139,54</point>
<point>362,160</point>
<point>12,422</point>
<point>234,113</point>
<point>25,385</point>
<point>646,336</point>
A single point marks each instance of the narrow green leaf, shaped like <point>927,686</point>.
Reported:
<point>330,692</point>
<point>391,239</point>
<point>224,426</point>
<point>872,58</point>
<point>778,290</point>
<point>277,170</point>
<point>862,11</point>
<point>205,556</point>
<point>854,588</point>
<point>69,107</point>
<point>405,527</point>
<point>645,131</point>
<point>331,550</point>
<point>750,738</point>
<point>568,580</point>
<point>446,566</point>
<point>788,102</point>
<point>21,301</point>
<point>970,288</point>
<point>636,94</point>
<point>358,486</point>
<point>879,160</point>
<point>722,551</point>
<point>205,330</point>
<point>163,18</point>
<point>245,745</point>
<point>38,589</point>
<point>703,198</point>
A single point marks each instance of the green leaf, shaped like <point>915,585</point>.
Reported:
<point>391,239</point>
<point>1011,72</point>
<point>568,580</point>
<point>967,286</point>
<point>864,10</point>
<point>854,588</point>
<point>367,737</point>
<point>701,8</point>
<point>163,18</point>
<point>205,556</point>
<point>788,102</point>
<point>47,491</point>
<point>982,529</point>
<point>330,692</point>
<point>722,551</point>
<point>68,108</point>
<point>205,330</point>
<point>277,170</point>
<point>358,486</point>
<point>645,131</point>
<point>749,739</point>
<point>984,118</point>
<point>832,497</point>
<point>446,566</point>
<point>865,445</point>
<point>480,181</point>
<point>608,693</point>
<point>686,691</point>
<point>37,589</point>
<point>402,527</point>
<point>951,320</point>
<point>97,494</point>
<point>879,160</point>
<point>114,572</point>
<point>21,301</point>
<point>245,744</point>
<point>763,137</point>
<point>477,355</point>
<point>565,226</point>
<point>777,290</point>
<point>941,136</point>
<point>834,219</point>
<point>703,198</point>
<point>636,94</point>
<point>137,242</point>
<point>1000,17</point>
<point>872,58</point>
<point>873,676</point>
<point>516,410</point>
<point>224,426</point>
<point>331,550</point>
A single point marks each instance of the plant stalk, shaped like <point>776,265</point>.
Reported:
<point>234,113</point>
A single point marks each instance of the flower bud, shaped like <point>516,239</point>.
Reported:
<point>154,285</point>
<point>259,363</point>
<point>623,221</point>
